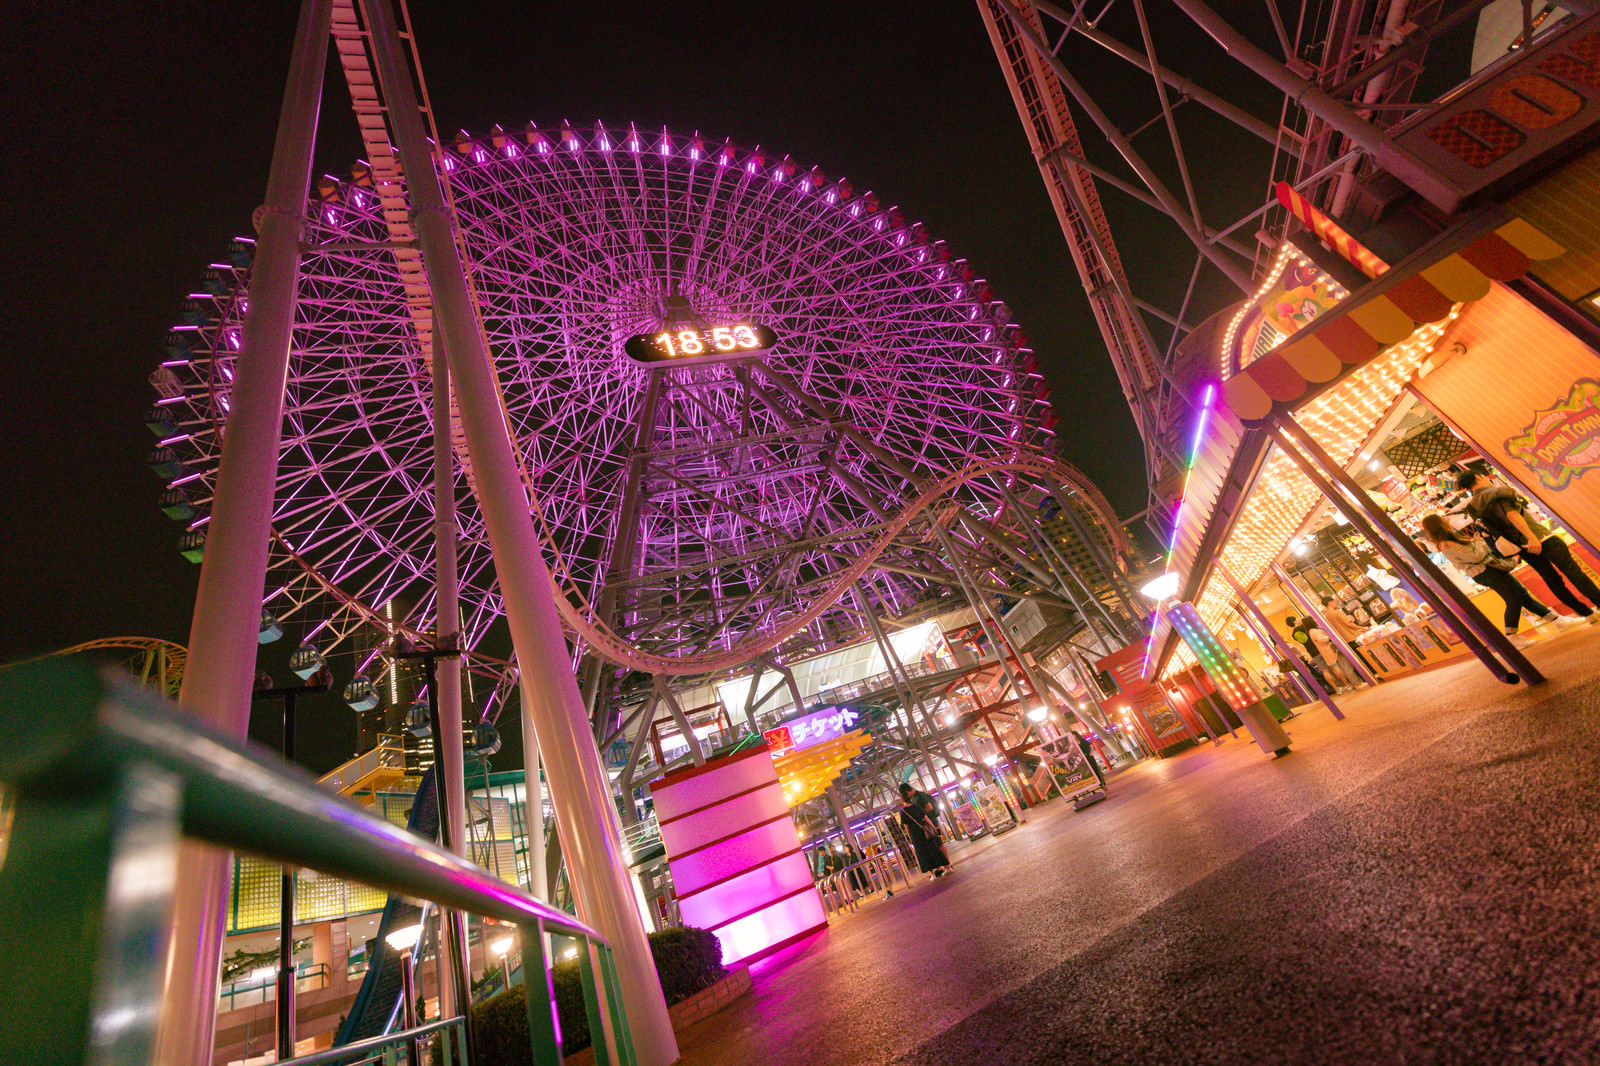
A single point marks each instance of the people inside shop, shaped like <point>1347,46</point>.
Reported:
<point>1344,627</point>
<point>1504,516</point>
<point>925,842</point>
<point>1337,667</point>
<point>1469,552</point>
<point>1312,641</point>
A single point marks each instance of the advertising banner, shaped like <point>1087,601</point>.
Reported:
<point>1072,771</point>
<point>993,807</point>
<point>971,820</point>
<point>1525,393</point>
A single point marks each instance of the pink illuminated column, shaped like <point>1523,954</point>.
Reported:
<point>735,856</point>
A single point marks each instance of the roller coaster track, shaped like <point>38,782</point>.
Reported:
<point>584,620</point>
<point>147,664</point>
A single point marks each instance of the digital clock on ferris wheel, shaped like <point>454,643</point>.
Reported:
<point>695,345</point>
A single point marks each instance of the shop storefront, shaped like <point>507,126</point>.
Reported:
<point>1344,418</point>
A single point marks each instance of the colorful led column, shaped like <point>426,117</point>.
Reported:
<point>1230,680</point>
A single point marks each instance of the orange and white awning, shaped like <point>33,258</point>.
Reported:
<point>1386,313</point>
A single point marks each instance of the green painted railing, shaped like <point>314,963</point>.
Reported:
<point>107,779</point>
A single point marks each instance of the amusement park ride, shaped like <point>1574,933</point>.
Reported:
<point>671,407</point>
<point>624,415</point>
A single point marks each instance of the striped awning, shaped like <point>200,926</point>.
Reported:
<point>1386,312</point>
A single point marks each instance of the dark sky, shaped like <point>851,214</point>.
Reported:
<point>140,142</point>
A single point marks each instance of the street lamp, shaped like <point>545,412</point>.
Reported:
<point>1162,588</point>
<point>501,949</point>
<point>404,940</point>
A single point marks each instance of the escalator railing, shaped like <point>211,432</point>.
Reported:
<point>377,1006</point>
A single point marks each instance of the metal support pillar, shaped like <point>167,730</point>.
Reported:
<point>553,706</point>
<point>837,805</point>
<point>286,990</point>
<point>1324,106</point>
<point>1057,564</point>
<point>1308,605</point>
<point>227,609</point>
<point>1181,218</point>
<point>285,1006</point>
<point>980,608</point>
<point>696,753</point>
<point>1102,554</point>
<point>794,687</point>
<point>1270,646</point>
<point>532,800</point>
<point>1452,605</point>
<point>1312,683</point>
<point>909,700</point>
<point>446,682</point>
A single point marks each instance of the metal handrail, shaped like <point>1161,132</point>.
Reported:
<point>107,775</point>
<point>390,752</point>
<point>358,1048</point>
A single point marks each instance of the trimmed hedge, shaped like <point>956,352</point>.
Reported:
<point>687,960</point>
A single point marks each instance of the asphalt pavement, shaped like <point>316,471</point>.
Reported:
<point>1415,884</point>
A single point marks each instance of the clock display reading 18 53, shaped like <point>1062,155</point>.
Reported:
<point>684,345</point>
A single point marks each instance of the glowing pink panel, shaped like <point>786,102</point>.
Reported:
<point>715,902</point>
<point>735,855</point>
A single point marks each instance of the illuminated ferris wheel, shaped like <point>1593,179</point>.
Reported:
<point>742,392</point>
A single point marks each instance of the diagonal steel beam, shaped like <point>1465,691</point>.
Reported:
<point>1130,154</point>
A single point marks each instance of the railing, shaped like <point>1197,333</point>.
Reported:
<point>845,888</point>
<point>390,752</point>
<point>641,838</point>
<point>266,988</point>
<point>108,778</point>
<point>394,1048</point>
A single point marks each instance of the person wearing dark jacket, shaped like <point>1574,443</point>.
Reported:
<point>1503,514</point>
<point>1088,755</point>
<point>919,826</point>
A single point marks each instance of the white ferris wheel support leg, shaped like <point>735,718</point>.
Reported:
<point>223,634</point>
<point>579,787</point>
<point>532,797</point>
<point>447,672</point>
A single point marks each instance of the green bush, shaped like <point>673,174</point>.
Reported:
<point>687,960</point>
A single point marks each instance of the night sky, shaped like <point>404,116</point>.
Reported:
<point>141,137</point>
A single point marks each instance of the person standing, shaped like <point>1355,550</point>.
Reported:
<point>1472,557</point>
<point>930,808</point>
<point>1504,514</point>
<point>1301,629</point>
<point>931,858</point>
<point>1332,661</point>
<point>1088,756</point>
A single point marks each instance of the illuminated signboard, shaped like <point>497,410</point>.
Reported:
<point>1533,103</point>
<point>830,723</point>
<point>695,345</point>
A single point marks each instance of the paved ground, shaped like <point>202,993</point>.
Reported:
<point>1416,884</point>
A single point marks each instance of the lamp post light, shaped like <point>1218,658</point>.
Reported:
<point>501,949</point>
<point>405,941</point>
<point>318,680</point>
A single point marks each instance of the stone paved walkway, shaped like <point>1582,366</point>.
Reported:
<point>1415,884</point>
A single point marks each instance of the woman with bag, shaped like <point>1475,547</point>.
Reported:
<point>1470,555</point>
<point>924,835</point>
